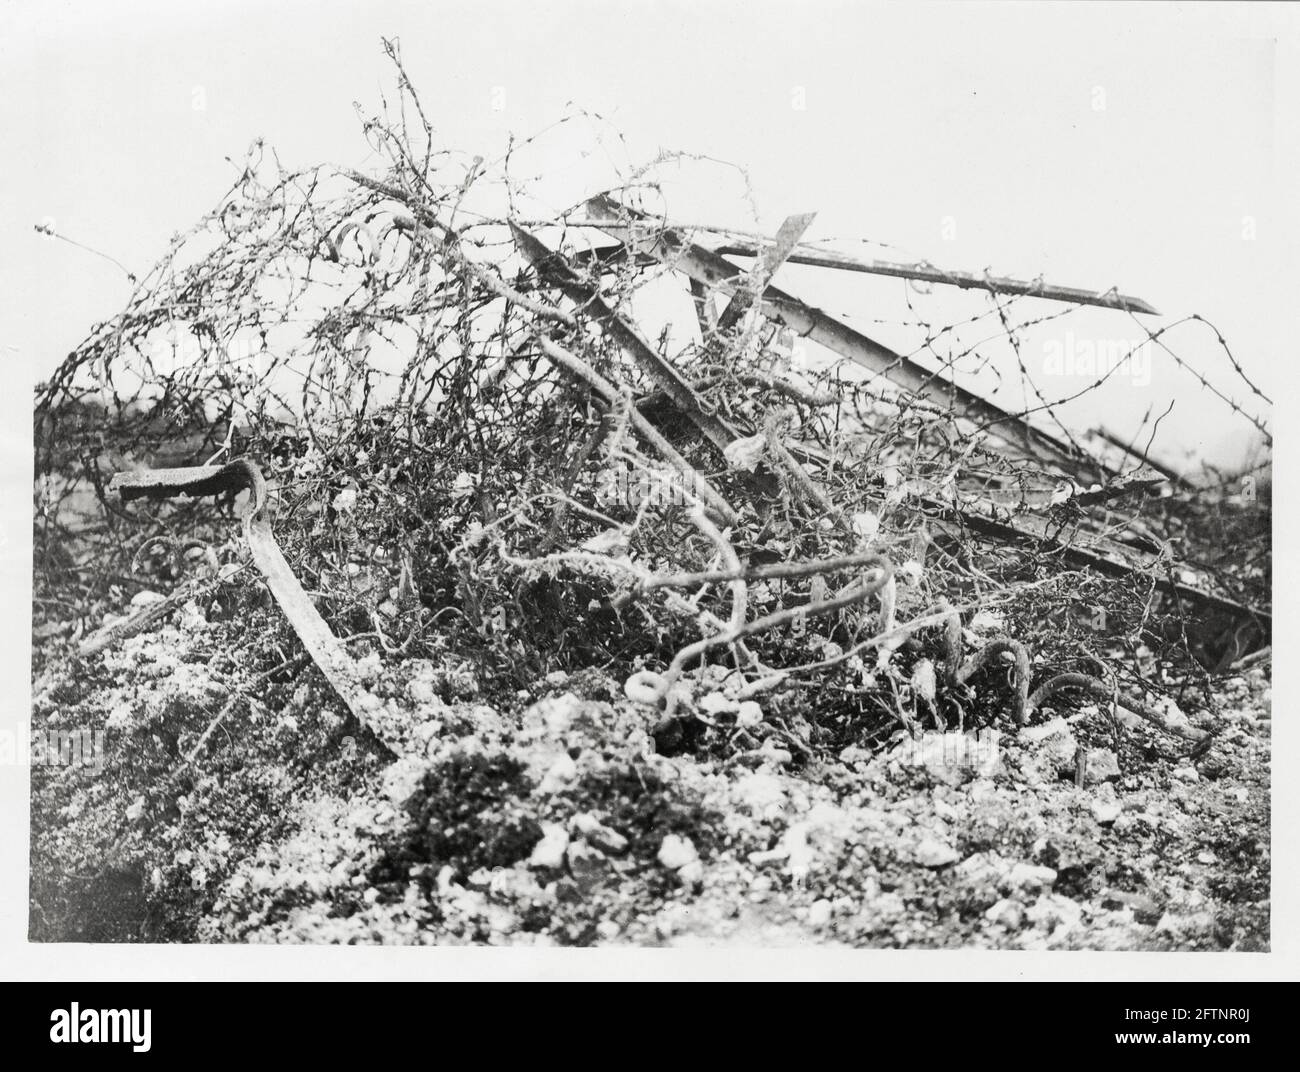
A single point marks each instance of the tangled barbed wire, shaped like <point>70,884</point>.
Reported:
<point>480,446</point>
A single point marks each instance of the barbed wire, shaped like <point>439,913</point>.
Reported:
<point>412,381</point>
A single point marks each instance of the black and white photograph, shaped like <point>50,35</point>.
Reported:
<point>714,477</point>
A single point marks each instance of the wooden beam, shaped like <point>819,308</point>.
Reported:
<point>924,273</point>
<point>715,271</point>
<point>557,270</point>
<point>1110,558</point>
<point>760,275</point>
<point>705,311</point>
<point>1109,299</point>
<point>554,267</point>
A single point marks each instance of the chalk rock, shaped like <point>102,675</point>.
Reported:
<point>1054,913</point>
<point>677,851</point>
<point>715,703</point>
<point>932,853</point>
<point>1101,765</point>
<point>691,874</point>
<point>1052,745</point>
<point>559,774</point>
<point>910,572</point>
<point>402,778</point>
<point>760,793</point>
<point>1007,913</point>
<point>1184,927</point>
<point>600,836</point>
<point>1106,811</point>
<point>550,851</point>
<point>819,913</point>
<point>1030,877</point>
<point>982,869</point>
<point>744,454</point>
<point>865,525</point>
<point>749,715</point>
<point>421,690</point>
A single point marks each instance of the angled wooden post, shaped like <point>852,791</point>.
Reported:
<point>715,271</point>
<point>553,267</point>
<point>771,258</point>
<point>556,268</point>
<point>928,273</point>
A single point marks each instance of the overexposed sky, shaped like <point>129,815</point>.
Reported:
<point>1151,147</point>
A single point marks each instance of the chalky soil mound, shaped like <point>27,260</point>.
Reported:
<point>553,821</point>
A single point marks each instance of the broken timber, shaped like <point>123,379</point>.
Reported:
<point>428,228</point>
<point>556,269</point>
<point>761,274</point>
<point>715,271</point>
<point>1109,299</point>
<point>923,273</point>
<point>708,270</point>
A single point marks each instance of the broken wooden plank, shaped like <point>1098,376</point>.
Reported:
<point>926,273</point>
<point>715,271</point>
<point>555,267</point>
<point>923,273</point>
<point>110,635</point>
<point>611,397</point>
<point>705,311</point>
<point>1097,553</point>
<point>193,480</point>
<point>760,275</point>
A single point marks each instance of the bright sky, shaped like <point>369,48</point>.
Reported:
<point>1148,147</point>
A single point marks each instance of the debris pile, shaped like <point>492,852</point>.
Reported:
<point>511,450</point>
